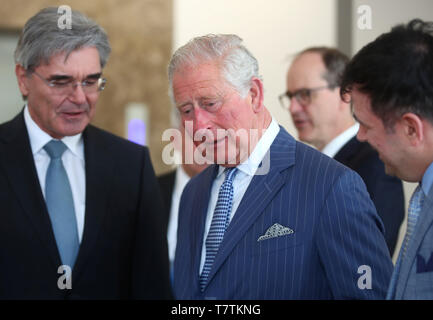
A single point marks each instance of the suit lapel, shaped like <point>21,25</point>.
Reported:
<point>99,168</point>
<point>259,194</point>
<point>18,162</point>
<point>424,223</point>
<point>199,213</point>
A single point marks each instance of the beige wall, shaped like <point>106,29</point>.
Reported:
<point>140,32</point>
<point>272,30</point>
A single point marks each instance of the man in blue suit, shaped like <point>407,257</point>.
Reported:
<point>272,218</point>
<point>391,87</point>
<point>324,120</point>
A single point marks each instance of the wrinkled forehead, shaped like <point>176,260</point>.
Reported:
<point>203,79</point>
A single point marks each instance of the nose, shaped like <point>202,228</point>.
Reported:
<point>295,106</point>
<point>201,119</point>
<point>77,95</point>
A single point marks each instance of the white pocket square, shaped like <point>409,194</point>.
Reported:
<point>276,230</point>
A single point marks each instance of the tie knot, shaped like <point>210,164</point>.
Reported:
<point>55,149</point>
<point>230,173</point>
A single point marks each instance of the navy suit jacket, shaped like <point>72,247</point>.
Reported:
<point>385,191</point>
<point>336,233</point>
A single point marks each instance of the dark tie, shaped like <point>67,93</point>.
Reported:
<point>60,204</point>
<point>219,224</point>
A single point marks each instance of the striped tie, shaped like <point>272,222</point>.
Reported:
<point>415,206</point>
<point>219,224</point>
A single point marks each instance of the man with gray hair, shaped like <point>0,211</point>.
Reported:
<point>272,218</point>
<point>80,206</point>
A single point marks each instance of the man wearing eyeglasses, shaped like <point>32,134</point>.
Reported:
<point>324,120</point>
<point>80,207</point>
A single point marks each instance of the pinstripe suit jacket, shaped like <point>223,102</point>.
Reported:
<point>336,230</point>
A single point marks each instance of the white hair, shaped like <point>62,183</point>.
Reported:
<point>238,65</point>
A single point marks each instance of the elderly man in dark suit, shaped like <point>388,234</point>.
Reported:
<point>324,120</point>
<point>80,207</point>
<point>272,218</point>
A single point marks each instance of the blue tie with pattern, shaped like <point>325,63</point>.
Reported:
<point>60,204</point>
<point>219,224</point>
<point>415,206</point>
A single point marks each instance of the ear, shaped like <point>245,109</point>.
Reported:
<point>413,128</point>
<point>345,104</point>
<point>23,79</point>
<point>256,94</point>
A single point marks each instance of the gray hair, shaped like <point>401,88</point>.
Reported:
<point>42,38</point>
<point>238,65</point>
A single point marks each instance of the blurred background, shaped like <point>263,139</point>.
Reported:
<point>144,33</point>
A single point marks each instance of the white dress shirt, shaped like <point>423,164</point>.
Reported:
<point>332,148</point>
<point>73,161</point>
<point>180,181</point>
<point>243,177</point>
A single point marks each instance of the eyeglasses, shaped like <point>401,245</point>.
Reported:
<point>66,85</point>
<point>303,96</point>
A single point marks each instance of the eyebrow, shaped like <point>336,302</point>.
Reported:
<point>183,104</point>
<point>66,77</point>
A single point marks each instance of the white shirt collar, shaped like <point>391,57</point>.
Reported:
<point>338,142</point>
<point>181,178</point>
<point>250,165</point>
<point>39,138</point>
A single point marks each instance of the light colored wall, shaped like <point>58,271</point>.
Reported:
<point>140,33</point>
<point>272,31</point>
<point>386,14</point>
<point>11,101</point>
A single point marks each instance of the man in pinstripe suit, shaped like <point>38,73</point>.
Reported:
<point>300,225</point>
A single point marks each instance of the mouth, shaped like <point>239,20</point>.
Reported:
<point>300,123</point>
<point>71,115</point>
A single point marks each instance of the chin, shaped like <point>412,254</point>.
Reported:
<point>73,131</point>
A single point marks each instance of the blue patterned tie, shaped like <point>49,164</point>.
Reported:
<point>60,204</point>
<point>219,224</point>
<point>415,206</point>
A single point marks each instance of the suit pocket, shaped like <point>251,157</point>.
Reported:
<point>276,244</point>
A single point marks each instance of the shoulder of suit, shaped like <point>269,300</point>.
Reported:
<point>8,128</point>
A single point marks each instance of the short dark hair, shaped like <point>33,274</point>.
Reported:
<point>335,62</point>
<point>396,72</point>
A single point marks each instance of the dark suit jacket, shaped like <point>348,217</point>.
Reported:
<point>166,183</point>
<point>385,191</point>
<point>123,253</point>
<point>336,234</point>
